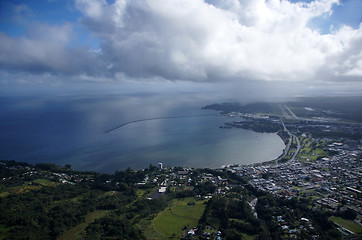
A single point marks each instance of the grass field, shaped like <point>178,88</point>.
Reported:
<point>170,223</point>
<point>18,189</point>
<point>186,211</point>
<point>249,237</point>
<point>142,192</point>
<point>306,152</point>
<point>148,229</point>
<point>4,194</point>
<point>75,232</point>
<point>26,187</point>
<point>45,182</point>
<point>348,224</point>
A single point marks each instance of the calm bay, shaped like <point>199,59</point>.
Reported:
<point>75,130</point>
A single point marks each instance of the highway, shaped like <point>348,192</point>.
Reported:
<point>298,148</point>
<point>292,136</point>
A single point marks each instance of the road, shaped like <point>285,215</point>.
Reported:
<point>292,136</point>
<point>286,150</point>
<point>298,148</point>
<point>288,114</point>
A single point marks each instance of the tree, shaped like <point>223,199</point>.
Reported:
<point>68,166</point>
<point>152,167</point>
<point>349,214</point>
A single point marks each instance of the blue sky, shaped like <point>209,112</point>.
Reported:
<point>347,12</point>
<point>16,16</point>
<point>315,45</point>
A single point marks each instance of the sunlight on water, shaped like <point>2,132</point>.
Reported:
<point>73,130</point>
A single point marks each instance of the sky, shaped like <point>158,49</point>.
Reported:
<point>252,48</point>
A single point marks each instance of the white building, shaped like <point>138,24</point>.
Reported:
<point>160,166</point>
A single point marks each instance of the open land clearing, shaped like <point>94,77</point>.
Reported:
<point>75,232</point>
<point>172,221</point>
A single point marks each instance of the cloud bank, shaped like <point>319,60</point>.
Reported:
<point>193,40</point>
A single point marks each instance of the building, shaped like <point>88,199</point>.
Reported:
<point>159,166</point>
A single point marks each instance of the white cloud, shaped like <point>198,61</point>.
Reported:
<point>216,40</point>
<point>91,8</point>
<point>45,49</point>
<point>195,40</point>
<point>348,60</point>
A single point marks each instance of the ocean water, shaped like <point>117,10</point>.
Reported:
<point>73,130</point>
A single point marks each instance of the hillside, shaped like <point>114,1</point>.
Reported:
<point>50,202</point>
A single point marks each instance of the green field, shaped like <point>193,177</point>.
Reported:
<point>249,237</point>
<point>143,192</point>
<point>75,232</point>
<point>4,194</point>
<point>308,152</point>
<point>171,222</point>
<point>45,182</point>
<point>26,187</point>
<point>18,189</point>
<point>348,224</point>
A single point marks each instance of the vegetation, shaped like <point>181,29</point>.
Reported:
<point>34,205</point>
<point>182,215</point>
<point>66,204</point>
<point>112,228</point>
<point>234,216</point>
<point>229,107</point>
<point>258,125</point>
<point>75,232</point>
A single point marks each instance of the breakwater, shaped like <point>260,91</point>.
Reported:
<point>156,118</point>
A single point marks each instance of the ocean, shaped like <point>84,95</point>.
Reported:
<point>69,129</point>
